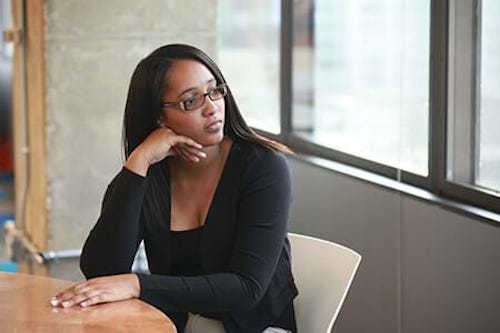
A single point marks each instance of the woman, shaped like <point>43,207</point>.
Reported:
<point>209,197</point>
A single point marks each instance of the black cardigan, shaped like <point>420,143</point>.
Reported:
<point>245,253</point>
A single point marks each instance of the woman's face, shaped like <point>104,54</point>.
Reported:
<point>185,79</point>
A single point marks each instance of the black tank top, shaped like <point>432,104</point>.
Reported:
<point>186,256</point>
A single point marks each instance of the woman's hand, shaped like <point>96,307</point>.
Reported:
<point>161,143</point>
<point>99,290</point>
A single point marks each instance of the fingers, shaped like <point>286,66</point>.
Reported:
<point>99,290</point>
<point>83,298</point>
<point>179,139</point>
<point>76,294</point>
<point>179,153</point>
<point>182,146</point>
<point>66,294</point>
<point>194,152</point>
<point>93,300</point>
<point>189,154</point>
<point>69,296</point>
<point>187,148</point>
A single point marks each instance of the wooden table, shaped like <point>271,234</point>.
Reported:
<point>24,307</point>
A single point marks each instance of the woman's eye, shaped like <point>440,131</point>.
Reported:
<point>191,101</point>
<point>217,92</point>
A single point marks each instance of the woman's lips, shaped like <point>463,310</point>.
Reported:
<point>214,126</point>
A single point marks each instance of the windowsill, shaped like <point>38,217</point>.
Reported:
<point>409,190</point>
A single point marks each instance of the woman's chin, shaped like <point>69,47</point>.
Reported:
<point>211,139</point>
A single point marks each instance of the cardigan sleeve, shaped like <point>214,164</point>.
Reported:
<point>111,246</point>
<point>263,214</point>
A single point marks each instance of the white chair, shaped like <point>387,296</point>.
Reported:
<point>323,273</point>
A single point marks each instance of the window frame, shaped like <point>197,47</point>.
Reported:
<point>467,194</point>
<point>463,198</point>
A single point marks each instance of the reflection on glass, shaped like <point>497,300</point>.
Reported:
<point>361,78</point>
<point>488,173</point>
<point>248,54</point>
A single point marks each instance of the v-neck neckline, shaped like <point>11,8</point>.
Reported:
<point>213,200</point>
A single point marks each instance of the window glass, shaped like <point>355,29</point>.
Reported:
<point>488,159</point>
<point>249,57</point>
<point>361,78</point>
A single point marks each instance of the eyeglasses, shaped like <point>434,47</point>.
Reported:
<point>198,100</point>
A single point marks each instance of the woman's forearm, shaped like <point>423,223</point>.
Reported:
<point>112,243</point>
<point>137,163</point>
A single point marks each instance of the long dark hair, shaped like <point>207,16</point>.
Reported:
<point>149,80</point>
<point>143,110</point>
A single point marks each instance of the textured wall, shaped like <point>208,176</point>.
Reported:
<point>424,268</point>
<point>92,48</point>
<point>365,218</point>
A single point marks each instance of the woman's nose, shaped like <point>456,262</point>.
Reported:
<point>209,108</point>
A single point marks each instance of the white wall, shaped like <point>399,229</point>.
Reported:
<point>424,268</point>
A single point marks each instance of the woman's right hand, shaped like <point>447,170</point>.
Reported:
<point>161,143</point>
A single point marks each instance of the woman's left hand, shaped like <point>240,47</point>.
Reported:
<point>99,290</point>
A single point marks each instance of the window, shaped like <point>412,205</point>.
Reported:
<point>407,89</point>
<point>361,78</point>
<point>488,159</point>
<point>474,95</point>
<point>249,57</point>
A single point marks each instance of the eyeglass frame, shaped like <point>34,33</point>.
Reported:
<point>180,105</point>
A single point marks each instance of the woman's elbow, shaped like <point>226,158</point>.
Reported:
<point>90,266</point>
<point>248,304</point>
<point>85,268</point>
<point>251,298</point>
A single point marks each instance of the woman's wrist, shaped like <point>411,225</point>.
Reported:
<point>136,286</point>
<point>137,163</point>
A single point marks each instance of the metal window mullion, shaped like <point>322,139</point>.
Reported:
<point>467,193</point>
<point>462,190</point>
<point>415,180</point>
<point>438,94</point>
<point>286,84</point>
<point>476,97</point>
<point>462,139</point>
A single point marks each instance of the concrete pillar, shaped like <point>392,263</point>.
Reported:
<point>92,48</point>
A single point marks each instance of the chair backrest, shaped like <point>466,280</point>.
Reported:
<point>323,273</point>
